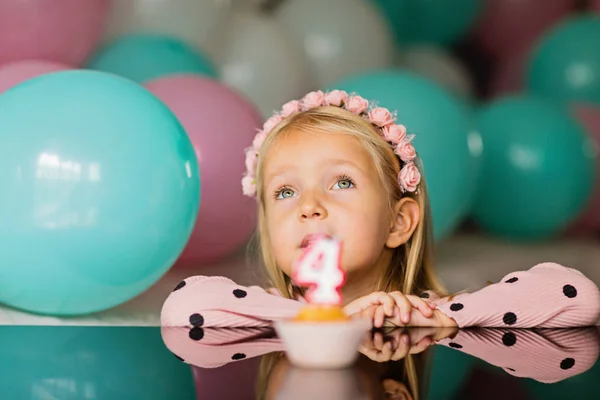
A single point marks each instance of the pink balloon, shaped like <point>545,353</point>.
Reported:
<point>509,76</point>
<point>220,124</point>
<point>589,116</point>
<point>58,30</point>
<point>505,23</point>
<point>17,72</point>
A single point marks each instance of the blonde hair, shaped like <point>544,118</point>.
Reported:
<point>411,269</point>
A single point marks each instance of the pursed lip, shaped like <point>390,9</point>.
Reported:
<point>311,238</point>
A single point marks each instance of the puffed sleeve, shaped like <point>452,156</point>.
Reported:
<point>218,302</point>
<point>548,295</point>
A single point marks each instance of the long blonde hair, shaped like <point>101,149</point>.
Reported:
<point>411,269</point>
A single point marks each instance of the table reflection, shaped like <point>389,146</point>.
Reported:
<point>415,363</point>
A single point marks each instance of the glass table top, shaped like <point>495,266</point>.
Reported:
<point>71,362</point>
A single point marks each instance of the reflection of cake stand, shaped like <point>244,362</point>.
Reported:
<point>322,337</point>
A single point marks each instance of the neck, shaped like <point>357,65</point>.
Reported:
<point>364,282</point>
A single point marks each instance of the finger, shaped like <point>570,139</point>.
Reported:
<point>404,305</point>
<point>378,341</point>
<point>421,346</point>
<point>402,349</point>
<point>421,305</point>
<point>372,354</point>
<point>369,300</point>
<point>379,317</point>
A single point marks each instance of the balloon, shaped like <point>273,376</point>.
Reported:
<point>100,190</point>
<point>340,37</point>
<point>90,362</point>
<point>439,22</point>
<point>509,75</point>
<point>220,125</point>
<point>589,117</point>
<point>538,168</point>
<point>194,22</point>
<point>439,66</point>
<point>504,24</point>
<point>560,70</point>
<point>147,56</point>
<point>63,31</point>
<point>443,129</point>
<point>19,71</point>
<point>260,61</point>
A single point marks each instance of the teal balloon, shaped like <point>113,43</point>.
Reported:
<point>566,63</point>
<point>439,22</point>
<point>81,362</point>
<point>100,190</point>
<point>142,57</point>
<point>444,139</point>
<point>537,170</point>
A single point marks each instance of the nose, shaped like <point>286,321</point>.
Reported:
<point>312,208</point>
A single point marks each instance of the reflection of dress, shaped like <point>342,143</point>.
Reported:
<point>547,295</point>
<point>545,355</point>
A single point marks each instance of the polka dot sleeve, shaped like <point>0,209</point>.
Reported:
<point>545,296</point>
<point>546,355</point>
<point>218,302</point>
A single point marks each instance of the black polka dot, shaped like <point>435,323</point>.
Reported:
<point>456,307</point>
<point>455,345</point>
<point>567,363</point>
<point>569,291</point>
<point>196,333</point>
<point>509,339</point>
<point>196,320</point>
<point>424,295</point>
<point>239,293</point>
<point>510,369</point>
<point>509,318</point>
<point>511,280</point>
<point>179,285</point>
<point>238,356</point>
<point>179,358</point>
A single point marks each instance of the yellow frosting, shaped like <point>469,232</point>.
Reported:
<point>321,313</point>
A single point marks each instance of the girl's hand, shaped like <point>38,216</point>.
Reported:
<point>391,305</point>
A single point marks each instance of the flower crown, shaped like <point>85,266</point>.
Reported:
<point>409,176</point>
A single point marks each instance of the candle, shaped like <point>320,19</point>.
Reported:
<point>319,269</point>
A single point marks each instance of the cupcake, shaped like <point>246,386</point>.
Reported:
<point>322,335</point>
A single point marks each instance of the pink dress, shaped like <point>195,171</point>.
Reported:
<point>546,296</point>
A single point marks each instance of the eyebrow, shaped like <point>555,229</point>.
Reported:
<point>328,163</point>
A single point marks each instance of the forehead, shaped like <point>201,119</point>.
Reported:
<point>296,149</point>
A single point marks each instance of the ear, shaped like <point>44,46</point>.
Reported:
<point>406,216</point>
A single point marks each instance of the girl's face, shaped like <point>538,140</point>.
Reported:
<point>325,183</point>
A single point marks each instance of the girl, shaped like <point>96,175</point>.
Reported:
<point>335,164</point>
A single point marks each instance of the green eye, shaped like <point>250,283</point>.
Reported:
<point>284,193</point>
<point>344,182</point>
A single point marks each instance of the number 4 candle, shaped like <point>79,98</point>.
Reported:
<point>319,269</point>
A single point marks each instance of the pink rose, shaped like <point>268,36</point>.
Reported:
<point>336,98</point>
<point>291,107</point>
<point>357,105</point>
<point>248,186</point>
<point>409,177</point>
<point>251,160</point>
<point>406,151</point>
<point>381,116</point>
<point>394,133</point>
<point>314,99</point>
<point>258,141</point>
<point>272,123</point>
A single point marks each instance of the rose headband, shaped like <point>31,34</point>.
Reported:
<point>380,117</point>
